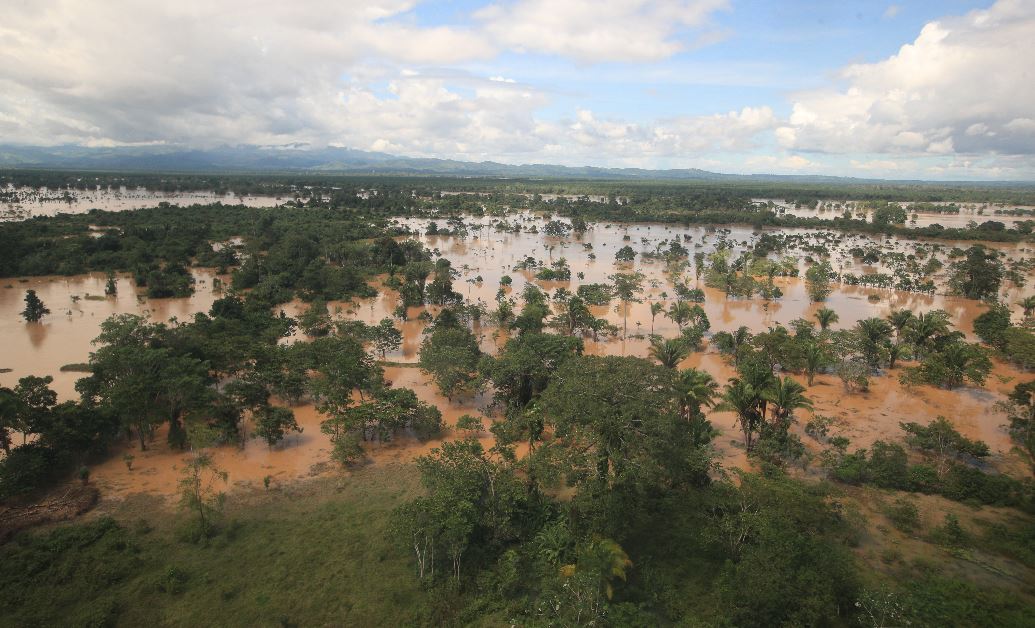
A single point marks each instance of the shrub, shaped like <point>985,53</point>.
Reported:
<point>889,466</point>
<point>904,515</point>
<point>852,468</point>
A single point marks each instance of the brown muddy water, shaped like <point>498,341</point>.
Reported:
<point>64,337</point>
<point>29,202</point>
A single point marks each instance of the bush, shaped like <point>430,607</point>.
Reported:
<point>889,466</point>
<point>27,468</point>
<point>852,468</point>
<point>904,515</point>
<point>962,482</point>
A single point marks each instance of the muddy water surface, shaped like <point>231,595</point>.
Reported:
<point>28,202</point>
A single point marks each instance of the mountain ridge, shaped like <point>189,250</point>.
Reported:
<point>341,160</point>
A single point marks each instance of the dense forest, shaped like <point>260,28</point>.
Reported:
<point>594,496</point>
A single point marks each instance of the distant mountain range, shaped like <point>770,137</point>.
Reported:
<point>331,160</point>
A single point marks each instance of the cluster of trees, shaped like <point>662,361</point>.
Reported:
<point>949,465</point>
<point>943,357</point>
<point>200,380</point>
<point>639,467</point>
<point>312,252</point>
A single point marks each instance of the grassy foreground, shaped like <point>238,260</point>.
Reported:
<point>313,554</point>
<point>317,553</point>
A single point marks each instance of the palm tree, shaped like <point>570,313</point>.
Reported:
<point>874,333</point>
<point>695,390</point>
<point>743,400</point>
<point>1029,306</point>
<point>924,330</point>
<point>604,560</point>
<point>669,352</point>
<point>826,317</point>
<point>655,309</point>
<point>896,352</point>
<point>786,395</point>
<point>729,343</point>
<point>680,313</point>
<point>815,359</point>
<point>899,319</point>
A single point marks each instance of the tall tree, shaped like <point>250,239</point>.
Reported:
<point>826,317</point>
<point>978,274</point>
<point>627,287</point>
<point>34,308</point>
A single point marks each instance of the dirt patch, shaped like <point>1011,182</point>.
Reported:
<point>63,504</point>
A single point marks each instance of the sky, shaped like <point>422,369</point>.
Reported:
<point>933,90</point>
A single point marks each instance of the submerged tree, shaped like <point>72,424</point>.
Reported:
<point>34,308</point>
<point>826,317</point>
<point>817,280</point>
<point>627,286</point>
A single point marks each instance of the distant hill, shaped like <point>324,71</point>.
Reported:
<point>332,160</point>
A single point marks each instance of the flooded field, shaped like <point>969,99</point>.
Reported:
<point>23,203</point>
<point>966,214</point>
<point>483,257</point>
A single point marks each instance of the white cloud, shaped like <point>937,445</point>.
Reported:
<point>780,163</point>
<point>423,117</point>
<point>602,30</point>
<point>964,86</point>
<point>877,164</point>
<point>892,11</point>
<point>194,71</point>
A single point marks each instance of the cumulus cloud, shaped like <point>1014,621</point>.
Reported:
<point>354,73</point>
<point>423,116</point>
<point>195,70</point>
<point>602,30</point>
<point>963,86</point>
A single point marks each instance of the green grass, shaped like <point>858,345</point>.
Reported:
<point>314,554</point>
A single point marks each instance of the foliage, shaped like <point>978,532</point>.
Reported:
<point>34,308</point>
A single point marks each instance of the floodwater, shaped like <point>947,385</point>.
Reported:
<point>970,214</point>
<point>64,337</point>
<point>29,202</point>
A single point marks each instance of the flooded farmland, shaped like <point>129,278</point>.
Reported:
<point>23,202</point>
<point>483,257</point>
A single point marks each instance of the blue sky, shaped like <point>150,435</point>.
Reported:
<point>935,90</point>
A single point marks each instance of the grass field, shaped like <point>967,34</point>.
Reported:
<point>312,554</point>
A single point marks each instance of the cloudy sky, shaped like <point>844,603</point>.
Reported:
<point>941,90</point>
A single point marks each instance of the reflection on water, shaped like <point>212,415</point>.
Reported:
<point>64,337</point>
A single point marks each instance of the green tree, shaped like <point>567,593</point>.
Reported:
<point>816,357</point>
<point>668,351</point>
<point>33,405</point>
<point>386,336</point>
<point>952,366</point>
<point>940,440</point>
<point>744,401</point>
<point>111,286</point>
<point>619,418</point>
<point>627,286</point>
<point>826,317</point>
<point>450,356</point>
<point>34,308</point>
<point>199,494</point>
<point>273,423</point>
<point>785,396</point>
<point>978,274</point>
<point>817,280</point>
<point>874,336</point>
<point>655,309</point>
<point>1028,304</point>
<point>990,326</point>
<point>523,369</point>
